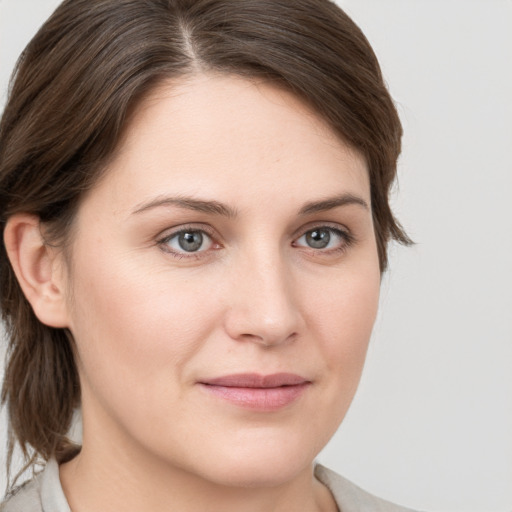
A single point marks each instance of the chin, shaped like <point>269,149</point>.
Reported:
<point>258,473</point>
<point>266,461</point>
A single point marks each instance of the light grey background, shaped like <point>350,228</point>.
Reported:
<point>431,426</point>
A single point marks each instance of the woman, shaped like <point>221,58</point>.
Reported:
<point>194,203</point>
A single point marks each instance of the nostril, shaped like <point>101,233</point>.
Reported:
<point>268,340</point>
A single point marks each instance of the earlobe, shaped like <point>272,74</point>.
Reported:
<point>36,267</point>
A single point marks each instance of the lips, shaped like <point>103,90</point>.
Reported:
<point>253,380</point>
<point>258,392</point>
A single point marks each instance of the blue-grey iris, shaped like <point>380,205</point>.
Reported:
<point>190,241</point>
<point>318,238</point>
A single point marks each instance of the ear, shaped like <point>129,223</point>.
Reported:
<point>38,269</point>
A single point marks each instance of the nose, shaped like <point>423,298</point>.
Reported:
<point>263,304</point>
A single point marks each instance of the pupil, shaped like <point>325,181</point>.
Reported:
<point>318,238</point>
<point>190,241</point>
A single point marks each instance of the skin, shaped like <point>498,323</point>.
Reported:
<point>151,320</point>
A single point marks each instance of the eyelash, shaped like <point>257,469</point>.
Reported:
<point>163,242</point>
<point>347,240</point>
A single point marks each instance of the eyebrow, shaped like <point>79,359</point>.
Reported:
<point>189,203</point>
<point>217,208</point>
<point>333,202</point>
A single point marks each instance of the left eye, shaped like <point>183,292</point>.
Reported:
<point>189,241</point>
<point>322,238</point>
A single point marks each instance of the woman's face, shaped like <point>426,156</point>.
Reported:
<point>224,284</point>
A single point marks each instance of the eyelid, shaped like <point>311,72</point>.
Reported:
<point>165,236</point>
<point>170,232</point>
<point>334,226</point>
<point>341,231</point>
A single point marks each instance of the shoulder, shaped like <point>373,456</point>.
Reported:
<point>42,493</point>
<point>351,498</point>
<point>26,498</point>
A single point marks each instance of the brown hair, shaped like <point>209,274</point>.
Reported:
<point>70,98</point>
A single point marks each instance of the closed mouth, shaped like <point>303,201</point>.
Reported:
<point>264,393</point>
<point>255,380</point>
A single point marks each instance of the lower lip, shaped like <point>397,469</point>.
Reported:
<point>259,399</point>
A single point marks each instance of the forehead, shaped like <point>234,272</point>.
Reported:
<point>223,135</point>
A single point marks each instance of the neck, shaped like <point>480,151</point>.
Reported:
<point>94,485</point>
<point>121,477</point>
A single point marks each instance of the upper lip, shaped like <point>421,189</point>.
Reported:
<point>255,380</point>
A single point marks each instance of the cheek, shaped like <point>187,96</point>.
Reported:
<point>345,311</point>
<point>139,319</point>
<point>340,320</point>
<point>343,317</point>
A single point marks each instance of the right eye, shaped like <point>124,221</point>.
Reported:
<point>187,241</point>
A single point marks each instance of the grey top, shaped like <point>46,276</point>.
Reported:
<point>44,494</point>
